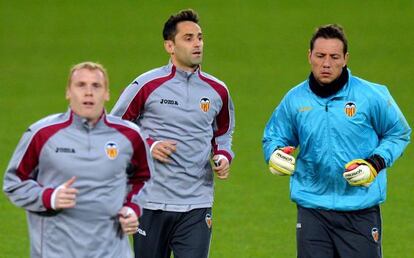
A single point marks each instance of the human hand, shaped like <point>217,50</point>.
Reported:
<point>65,196</point>
<point>359,172</point>
<point>128,220</point>
<point>221,166</point>
<point>162,150</point>
<point>281,162</point>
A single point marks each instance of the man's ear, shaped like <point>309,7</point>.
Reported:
<point>67,94</point>
<point>346,58</point>
<point>169,46</point>
<point>309,56</point>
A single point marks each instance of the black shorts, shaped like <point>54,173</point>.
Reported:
<point>186,234</point>
<point>336,234</point>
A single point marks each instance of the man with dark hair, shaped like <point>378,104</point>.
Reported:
<point>77,174</point>
<point>170,26</point>
<point>348,130</point>
<point>330,31</point>
<point>189,118</point>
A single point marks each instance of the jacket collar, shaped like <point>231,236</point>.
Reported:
<point>332,89</point>
<point>83,123</point>
<point>180,74</point>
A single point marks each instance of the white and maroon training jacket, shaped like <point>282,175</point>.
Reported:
<point>111,163</point>
<point>195,110</point>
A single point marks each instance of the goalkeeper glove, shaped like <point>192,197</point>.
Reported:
<point>281,162</point>
<point>359,173</point>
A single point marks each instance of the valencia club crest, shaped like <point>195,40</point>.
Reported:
<point>205,104</point>
<point>111,150</point>
<point>350,109</point>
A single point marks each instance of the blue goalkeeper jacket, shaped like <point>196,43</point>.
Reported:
<point>360,120</point>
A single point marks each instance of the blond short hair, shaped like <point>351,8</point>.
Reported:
<point>90,66</point>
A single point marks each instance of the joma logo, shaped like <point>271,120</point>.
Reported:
<point>169,102</point>
<point>65,150</point>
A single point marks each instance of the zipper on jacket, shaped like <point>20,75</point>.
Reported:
<point>89,140</point>
<point>88,129</point>
<point>188,89</point>
<point>328,127</point>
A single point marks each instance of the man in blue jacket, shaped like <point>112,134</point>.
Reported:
<point>349,131</point>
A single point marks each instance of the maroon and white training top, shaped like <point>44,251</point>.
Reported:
<point>111,163</point>
<point>195,110</point>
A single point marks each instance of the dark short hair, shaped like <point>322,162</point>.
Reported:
<point>170,26</point>
<point>330,31</point>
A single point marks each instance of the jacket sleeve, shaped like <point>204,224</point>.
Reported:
<point>138,174</point>
<point>279,130</point>
<point>223,129</point>
<point>391,126</point>
<point>20,183</point>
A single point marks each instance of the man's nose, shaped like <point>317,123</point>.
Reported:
<point>198,42</point>
<point>326,62</point>
<point>89,90</point>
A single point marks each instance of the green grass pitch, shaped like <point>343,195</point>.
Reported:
<point>257,47</point>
